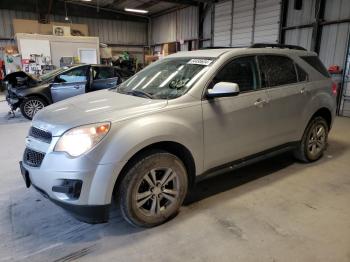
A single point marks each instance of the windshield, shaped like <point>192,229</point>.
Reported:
<point>52,73</point>
<point>167,79</point>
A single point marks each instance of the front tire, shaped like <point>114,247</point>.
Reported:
<point>153,190</point>
<point>314,141</point>
<point>31,105</point>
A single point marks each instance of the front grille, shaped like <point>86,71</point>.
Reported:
<point>40,134</point>
<point>33,158</point>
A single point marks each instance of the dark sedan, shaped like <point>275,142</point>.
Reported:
<point>31,94</point>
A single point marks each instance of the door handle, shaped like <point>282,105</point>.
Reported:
<point>260,102</point>
<point>76,86</point>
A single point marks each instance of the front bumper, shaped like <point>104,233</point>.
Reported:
<point>91,214</point>
<point>79,208</point>
<point>81,186</point>
<point>12,99</point>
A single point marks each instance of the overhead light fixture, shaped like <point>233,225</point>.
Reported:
<point>86,0</point>
<point>136,10</point>
<point>65,7</point>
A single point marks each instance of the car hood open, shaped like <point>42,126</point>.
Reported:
<point>100,106</point>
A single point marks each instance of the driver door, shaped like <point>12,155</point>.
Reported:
<point>70,83</point>
<point>235,127</point>
<point>103,77</point>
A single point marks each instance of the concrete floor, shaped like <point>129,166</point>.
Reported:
<point>276,210</point>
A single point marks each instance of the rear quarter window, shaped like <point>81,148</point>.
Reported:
<point>302,75</point>
<point>316,63</point>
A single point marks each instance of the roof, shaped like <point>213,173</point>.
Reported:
<point>215,53</point>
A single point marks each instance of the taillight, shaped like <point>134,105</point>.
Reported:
<point>334,88</point>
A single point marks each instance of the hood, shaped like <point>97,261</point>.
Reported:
<point>20,79</point>
<point>99,106</point>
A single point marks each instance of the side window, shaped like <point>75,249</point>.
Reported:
<point>75,75</point>
<point>242,71</point>
<point>277,70</point>
<point>103,72</point>
<point>302,75</point>
<point>315,62</point>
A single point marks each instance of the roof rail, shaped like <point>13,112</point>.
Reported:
<point>263,45</point>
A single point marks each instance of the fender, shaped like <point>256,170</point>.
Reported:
<point>324,99</point>
<point>42,91</point>
<point>132,136</point>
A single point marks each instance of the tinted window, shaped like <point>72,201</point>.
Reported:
<point>103,72</point>
<point>75,75</point>
<point>302,76</point>
<point>241,71</point>
<point>277,70</point>
<point>123,73</point>
<point>315,62</point>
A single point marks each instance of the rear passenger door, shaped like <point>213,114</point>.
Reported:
<point>285,83</point>
<point>103,77</point>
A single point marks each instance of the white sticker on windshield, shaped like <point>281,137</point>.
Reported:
<point>200,62</point>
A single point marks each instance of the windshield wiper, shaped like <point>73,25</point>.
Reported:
<point>139,93</point>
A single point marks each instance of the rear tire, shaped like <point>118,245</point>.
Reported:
<point>314,141</point>
<point>153,189</point>
<point>31,105</point>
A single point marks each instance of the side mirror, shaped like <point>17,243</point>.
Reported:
<point>223,89</point>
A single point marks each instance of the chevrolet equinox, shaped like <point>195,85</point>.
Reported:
<point>146,142</point>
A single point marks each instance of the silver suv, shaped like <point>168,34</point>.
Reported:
<point>146,142</point>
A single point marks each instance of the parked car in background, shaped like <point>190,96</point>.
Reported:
<point>188,115</point>
<point>31,94</point>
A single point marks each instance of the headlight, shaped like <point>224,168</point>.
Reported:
<point>79,140</point>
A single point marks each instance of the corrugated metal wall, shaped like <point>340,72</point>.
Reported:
<point>109,31</point>
<point>267,21</point>
<point>175,26</point>
<point>334,45</point>
<point>301,37</point>
<point>222,23</point>
<point>334,37</point>
<point>243,19</point>
<point>243,22</point>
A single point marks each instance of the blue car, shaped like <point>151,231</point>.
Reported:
<point>31,94</point>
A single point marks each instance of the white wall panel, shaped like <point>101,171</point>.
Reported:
<point>175,26</point>
<point>222,23</point>
<point>187,23</point>
<point>304,16</point>
<point>300,37</point>
<point>334,44</point>
<point>164,28</point>
<point>337,9</point>
<point>243,19</point>
<point>253,21</point>
<point>267,21</point>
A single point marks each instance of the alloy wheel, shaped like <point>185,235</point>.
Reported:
<point>317,140</point>
<point>157,191</point>
<point>31,107</point>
